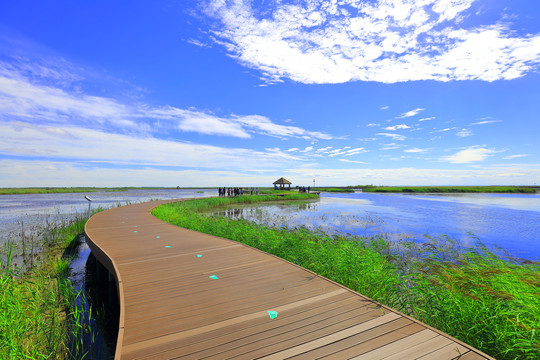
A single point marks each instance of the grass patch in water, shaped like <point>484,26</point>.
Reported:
<point>471,294</point>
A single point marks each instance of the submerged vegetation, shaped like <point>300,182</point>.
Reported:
<point>39,315</point>
<point>470,293</point>
<point>450,189</point>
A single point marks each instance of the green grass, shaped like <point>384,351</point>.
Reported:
<point>471,294</point>
<point>18,191</point>
<point>451,189</point>
<point>38,315</point>
<point>335,190</point>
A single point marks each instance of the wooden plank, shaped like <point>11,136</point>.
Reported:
<point>332,338</point>
<point>367,345</point>
<point>293,317</point>
<point>449,351</point>
<point>397,346</point>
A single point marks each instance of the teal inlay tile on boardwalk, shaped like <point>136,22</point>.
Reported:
<point>192,296</point>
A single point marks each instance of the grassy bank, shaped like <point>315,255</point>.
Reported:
<point>451,189</point>
<point>471,294</point>
<point>17,191</point>
<point>334,190</point>
<point>38,318</point>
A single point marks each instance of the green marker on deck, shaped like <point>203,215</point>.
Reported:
<point>272,314</point>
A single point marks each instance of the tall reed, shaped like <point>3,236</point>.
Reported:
<point>39,318</point>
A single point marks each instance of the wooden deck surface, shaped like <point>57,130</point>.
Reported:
<point>173,307</point>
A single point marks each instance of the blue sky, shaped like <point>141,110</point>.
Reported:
<point>208,93</point>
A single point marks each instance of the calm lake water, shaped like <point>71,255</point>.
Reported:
<point>510,221</point>
<point>27,212</point>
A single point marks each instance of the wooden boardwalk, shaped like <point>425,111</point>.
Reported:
<point>188,295</point>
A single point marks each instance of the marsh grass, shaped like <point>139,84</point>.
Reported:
<point>39,315</point>
<point>451,189</point>
<point>333,189</point>
<point>468,292</point>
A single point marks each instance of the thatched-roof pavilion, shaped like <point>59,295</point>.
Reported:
<point>282,182</point>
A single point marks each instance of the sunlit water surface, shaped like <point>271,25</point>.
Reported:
<point>508,221</point>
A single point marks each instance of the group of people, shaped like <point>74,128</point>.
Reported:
<point>231,192</point>
<point>303,189</point>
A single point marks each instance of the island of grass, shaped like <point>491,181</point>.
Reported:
<point>471,294</point>
<point>59,190</point>
<point>333,189</point>
<point>451,189</point>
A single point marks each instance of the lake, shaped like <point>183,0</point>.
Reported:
<point>30,211</point>
<point>510,221</point>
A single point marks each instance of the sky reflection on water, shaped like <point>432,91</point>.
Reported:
<point>510,221</point>
<point>36,209</point>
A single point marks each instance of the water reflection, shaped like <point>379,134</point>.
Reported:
<point>509,221</point>
<point>37,209</point>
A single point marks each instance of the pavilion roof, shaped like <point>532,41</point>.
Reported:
<point>282,180</point>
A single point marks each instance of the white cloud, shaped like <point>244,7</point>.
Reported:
<point>372,125</point>
<point>393,136</point>
<point>347,152</point>
<point>509,157</point>
<point>237,126</point>
<point>471,154</point>
<point>352,161</point>
<point>22,99</point>
<point>386,107</point>
<point>391,146</point>
<point>464,133</point>
<point>427,119</point>
<point>88,145</point>
<point>409,113</point>
<point>486,122</point>
<point>397,127</point>
<point>386,41</point>
<point>307,149</point>
<point>16,173</point>
<point>415,150</point>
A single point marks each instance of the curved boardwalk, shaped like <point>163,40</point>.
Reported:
<point>188,295</point>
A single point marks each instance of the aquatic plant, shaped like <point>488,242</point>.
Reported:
<point>470,293</point>
<point>39,311</point>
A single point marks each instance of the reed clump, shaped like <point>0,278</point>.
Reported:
<point>39,318</point>
<point>488,302</point>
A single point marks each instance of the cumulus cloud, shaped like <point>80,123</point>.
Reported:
<point>471,154</point>
<point>317,41</point>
